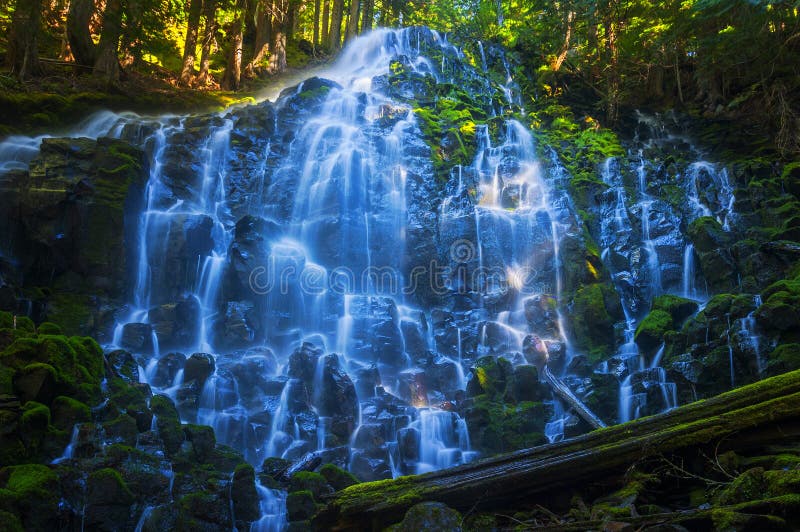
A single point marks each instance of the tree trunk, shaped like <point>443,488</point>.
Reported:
<point>352,20</point>
<point>745,418</point>
<point>315,37</point>
<point>210,28</point>
<point>335,34</point>
<point>277,58</point>
<point>326,16</point>
<point>263,36</point>
<point>23,52</point>
<point>190,45</point>
<point>78,35</point>
<point>562,56</point>
<point>233,70</point>
<point>107,64</point>
<point>369,13</point>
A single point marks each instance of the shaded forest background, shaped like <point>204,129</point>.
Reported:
<point>734,62</point>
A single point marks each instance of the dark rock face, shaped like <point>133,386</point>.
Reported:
<point>73,216</point>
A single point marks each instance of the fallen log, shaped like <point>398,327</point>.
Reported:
<point>563,391</point>
<point>756,414</point>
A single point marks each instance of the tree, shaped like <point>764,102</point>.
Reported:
<point>369,12</point>
<point>335,34</point>
<point>107,63</point>
<point>262,20</point>
<point>209,31</point>
<point>23,53</point>
<point>78,34</point>
<point>352,20</point>
<point>190,44</point>
<point>326,15</point>
<point>280,23</point>
<point>233,70</point>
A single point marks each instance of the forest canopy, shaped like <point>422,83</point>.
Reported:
<point>724,59</point>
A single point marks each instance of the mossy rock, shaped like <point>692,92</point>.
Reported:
<point>168,423</point>
<point>337,477</point>
<point>592,323</point>
<point>679,308</point>
<point>300,505</point>
<point>32,492</point>
<point>429,516</point>
<point>650,332</point>
<point>202,439</point>
<point>49,328</point>
<point>707,234</point>
<point>784,358</point>
<point>490,377</point>
<point>316,483</point>
<point>244,496</point>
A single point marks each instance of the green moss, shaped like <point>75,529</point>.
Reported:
<point>650,332</point>
<point>300,505</point>
<point>310,481</point>
<point>10,522</point>
<point>593,325</point>
<point>49,328</point>
<point>106,486</point>
<point>679,308</point>
<point>32,481</point>
<point>785,357</point>
<point>337,477</point>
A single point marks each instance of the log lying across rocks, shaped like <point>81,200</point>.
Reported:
<point>744,418</point>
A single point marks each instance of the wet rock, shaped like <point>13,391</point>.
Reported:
<point>124,365</point>
<point>108,500</point>
<point>240,325</point>
<point>176,324</point>
<point>541,315</point>
<point>303,363</point>
<point>198,367</point>
<point>243,495</point>
<point>167,369</point>
<point>368,468</point>
<point>430,516</point>
<point>137,337</point>
<point>202,440</point>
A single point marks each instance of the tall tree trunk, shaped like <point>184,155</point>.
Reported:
<point>263,18</point>
<point>277,58</point>
<point>132,40</point>
<point>369,13</point>
<point>326,16</point>
<point>352,20</point>
<point>233,70</point>
<point>23,53</point>
<point>292,20</point>
<point>107,64</point>
<point>315,38</point>
<point>210,28</point>
<point>190,45</point>
<point>335,34</point>
<point>562,56</point>
<point>78,35</point>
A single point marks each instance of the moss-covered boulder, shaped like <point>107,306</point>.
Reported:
<point>168,423</point>
<point>108,500</point>
<point>300,505</point>
<point>650,332</point>
<point>785,357</point>
<point>595,309</point>
<point>337,477</point>
<point>244,496</point>
<point>678,307</point>
<point>316,483</point>
<point>30,492</point>
<point>429,516</point>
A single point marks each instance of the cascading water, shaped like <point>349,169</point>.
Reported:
<point>278,243</point>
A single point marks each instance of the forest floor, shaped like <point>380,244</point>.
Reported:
<point>62,97</point>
